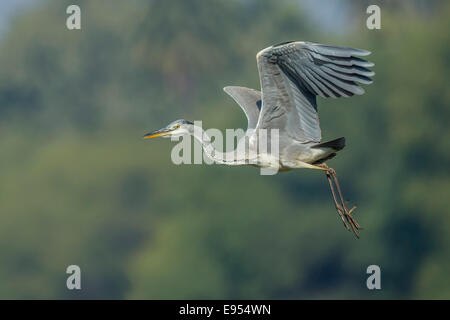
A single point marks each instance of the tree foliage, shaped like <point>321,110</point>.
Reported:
<point>79,186</point>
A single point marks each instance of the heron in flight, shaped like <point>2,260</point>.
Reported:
<point>291,74</point>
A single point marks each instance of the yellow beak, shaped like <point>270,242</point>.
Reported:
<point>157,133</point>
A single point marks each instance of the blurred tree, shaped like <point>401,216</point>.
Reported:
<point>80,187</point>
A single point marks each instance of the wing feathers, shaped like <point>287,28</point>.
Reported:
<point>327,71</point>
<point>249,100</point>
<point>307,70</point>
<point>350,70</point>
<point>337,51</point>
<point>350,77</point>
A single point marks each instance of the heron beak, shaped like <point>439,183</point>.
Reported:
<point>157,133</point>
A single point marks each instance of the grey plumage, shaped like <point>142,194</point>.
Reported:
<point>292,74</point>
<point>249,100</point>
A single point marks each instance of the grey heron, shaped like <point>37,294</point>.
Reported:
<point>291,74</point>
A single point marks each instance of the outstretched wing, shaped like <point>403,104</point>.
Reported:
<point>249,100</point>
<point>293,74</point>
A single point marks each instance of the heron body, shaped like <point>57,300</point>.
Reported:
<point>291,75</point>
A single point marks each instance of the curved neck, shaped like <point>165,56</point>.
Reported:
<point>229,158</point>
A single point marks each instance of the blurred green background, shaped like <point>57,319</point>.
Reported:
<point>80,186</point>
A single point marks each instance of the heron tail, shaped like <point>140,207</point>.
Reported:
<point>336,144</point>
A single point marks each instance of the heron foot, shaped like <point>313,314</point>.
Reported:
<point>345,214</point>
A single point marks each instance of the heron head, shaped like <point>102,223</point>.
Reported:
<point>174,129</point>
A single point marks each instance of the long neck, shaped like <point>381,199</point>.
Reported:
<point>229,158</point>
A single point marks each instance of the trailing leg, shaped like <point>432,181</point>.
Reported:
<point>340,207</point>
